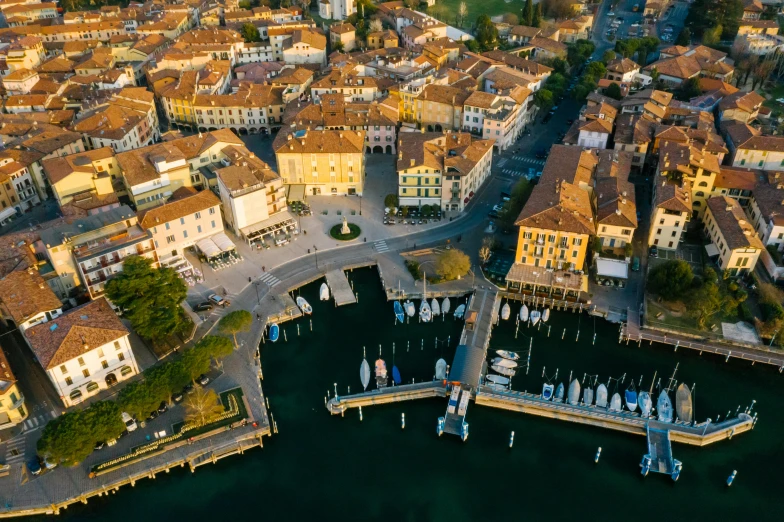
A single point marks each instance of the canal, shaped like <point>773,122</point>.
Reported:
<point>326,468</point>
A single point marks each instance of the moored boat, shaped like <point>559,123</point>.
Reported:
<point>410,308</point>
<point>425,313</point>
<point>588,396</point>
<point>664,407</point>
<point>615,402</point>
<point>497,379</point>
<point>631,397</point>
<point>440,370</point>
<point>547,391</point>
<point>506,363</point>
<point>574,393</point>
<point>546,315</point>
<point>645,403</point>
<point>535,315</point>
<point>274,332</point>
<point>399,315</point>
<point>683,403</point>
<point>381,373</point>
<point>559,393</point>
<point>434,307</point>
<point>505,311</point>
<point>524,314</point>
<point>601,396</point>
<point>508,355</point>
<point>460,311</point>
<point>304,306</point>
<point>324,292</point>
<point>364,373</point>
<point>503,370</point>
<point>396,375</point>
<point>446,305</point>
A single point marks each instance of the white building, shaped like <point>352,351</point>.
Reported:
<point>336,9</point>
<point>83,351</point>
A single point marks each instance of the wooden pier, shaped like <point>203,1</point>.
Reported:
<point>340,288</point>
<point>633,331</point>
<point>404,392</point>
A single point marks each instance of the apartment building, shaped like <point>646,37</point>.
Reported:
<point>188,217</point>
<point>671,211</point>
<point>766,208</point>
<point>740,106</point>
<point>90,250</point>
<point>616,207</point>
<point>177,91</point>
<point>84,351</point>
<point>733,239</point>
<point>254,108</point>
<point>442,169</point>
<point>622,70</point>
<point>382,39</point>
<point>634,134</point>
<point>24,52</point>
<point>20,191</point>
<point>336,9</point>
<point>26,300</point>
<point>440,107</point>
<point>323,161</point>
<point>12,401</point>
<point>94,172</point>
<point>102,31</point>
<point>344,33</point>
<point>348,82</point>
<point>684,162</point>
<point>759,152</point>
<point>303,46</point>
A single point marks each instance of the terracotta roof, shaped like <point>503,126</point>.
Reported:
<point>25,294</point>
<point>633,129</point>
<point>457,152</point>
<point>622,65</point>
<point>174,210</point>
<point>733,224</point>
<point>525,31</point>
<point>245,171</point>
<point>308,37</point>
<point>444,94</point>
<point>291,141</point>
<point>75,333</point>
<point>670,196</point>
<point>57,169</point>
<point>746,101</point>
<point>737,178</point>
<point>615,203</point>
<point>548,45</point>
<point>341,28</point>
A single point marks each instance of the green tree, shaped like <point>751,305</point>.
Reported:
<point>234,323</point>
<point>543,99</point>
<point>391,201</point>
<point>202,407</point>
<point>706,14</point>
<point>537,18</point>
<point>613,91</point>
<point>452,264</point>
<point>486,33</point>
<point>528,13</point>
<point>250,33</point>
<point>608,56</point>
<point>70,438</point>
<point>337,46</point>
<point>688,90</point>
<point>596,69</point>
<point>708,300</point>
<point>244,4</point>
<point>218,347</point>
<point>684,37</point>
<point>712,36</point>
<point>670,280</point>
<point>579,51</point>
<point>194,362</point>
<point>149,297</point>
<point>511,19</point>
<point>517,200</point>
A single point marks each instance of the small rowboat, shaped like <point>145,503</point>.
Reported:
<point>274,332</point>
<point>508,355</point>
<point>324,292</point>
<point>524,314</point>
<point>503,371</point>
<point>304,306</point>
<point>505,311</point>
<point>545,315</point>
<point>535,315</point>
<point>497,379</point>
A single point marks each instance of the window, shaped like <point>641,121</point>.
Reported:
<point>670,244</point>
<point>212,210</point>
<point>121,356</point>
<point>116,345</point>
<point>68,381</point>
<point>604,229</point>
<point>86,372</point>
<point>100,352</point>
<point>658,231</point>
<point>677,223</point>
<point>182,221</point>
<point>198,229</point>
<point>170,239</point>
<point>167,226</point>
<point>104,364</point>
<point>185,234</point>
<point>673,234</point>
<point>213,224</point>
<point>661,221</point>
<point>63,369</point>
<point>81,361</point>
<point>198,215</point>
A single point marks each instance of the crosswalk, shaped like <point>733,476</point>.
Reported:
<point>381,246</point>
<point>15,450</point>
<point>502,162</point>
<point>39,421</point>
<point>269,279</point>
<point>531,161</point>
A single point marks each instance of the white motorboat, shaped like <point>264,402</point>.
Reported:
<point>460,311</point>
<point>645,403</point>
<point>503,371</point>
<point>535,315</point>
<point>664,407</point>
<point>410,309</point>
<point>505,311</point>
<point>304,306</point>
<point>506,363</point>
<point>508,355</point>
<point>601,396</point>
<point>434,307</point>
<point>324,292</point>
<point>425,313</point>
<point>446,305</point>
<point>497,379</point>
<point>615,402</point>
<point>574,393</point>
<point>364,374</point>
<point>440,370</point>
<point>545,315</point>
<point>524,314</point>
<point>547,391</point>
<point>588,396</point>
<point>559,393</point>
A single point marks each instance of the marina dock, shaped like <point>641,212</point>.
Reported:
<point>340,288</point>
<point>404,392</point>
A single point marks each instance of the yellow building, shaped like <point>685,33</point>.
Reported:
<point>440,107</point>
<point>556,225</point>
<point>683,162</point>
<point>616,210</point>
<point>323,161</point>
<point>92,171</point>
<point>671,211</point>
<point>12,407</point>
<point>733,239</point>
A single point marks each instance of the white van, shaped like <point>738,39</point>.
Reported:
<point>130,424</point>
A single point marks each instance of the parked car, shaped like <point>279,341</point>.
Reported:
<point>636,264</point>
<point>153,415</point>
<point>653,251</point>
<point>206,306</point>
<point>34,466</point>
<point>163,408</point>
<point>611,13</point>
<point>203,380</point>
<point>498,208</point>
<point>218,300</point>
<point>188,389</point>
<point>541,153</point>
<point>130,423</point>
<point>178,397</point>
<point>99,445</point>
<point>493,214</point>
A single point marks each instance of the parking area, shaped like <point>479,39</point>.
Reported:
<point>691,253</point>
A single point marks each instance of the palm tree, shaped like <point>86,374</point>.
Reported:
<point>202,406</point>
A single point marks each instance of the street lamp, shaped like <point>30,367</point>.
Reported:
<point>315,251</point>
<point>360,204</point>
<point>256,286</point>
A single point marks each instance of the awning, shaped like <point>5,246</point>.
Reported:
<point>8,212</point>
<point>612,268</point>
<point>208,248</point>
<point>271,223</point>
<point>711,250</point>
<point>296,193</point>
<point>224,243</point>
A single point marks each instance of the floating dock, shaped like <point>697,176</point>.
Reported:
<point>404,392</point>
<point>340,288</point>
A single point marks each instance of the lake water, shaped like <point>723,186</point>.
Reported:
<point>321,467</point>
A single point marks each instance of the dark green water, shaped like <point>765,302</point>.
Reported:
<point>330,468</point>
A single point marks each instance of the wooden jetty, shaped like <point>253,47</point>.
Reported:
<point>340,288</point>
<point>404,392</point>
<point>633,331</point>
<point>659,457</point>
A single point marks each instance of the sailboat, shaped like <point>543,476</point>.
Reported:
<point>545,315</point>
<point>615,402</point>
<point>364,371</point>
<point>440,370</point>
<point>425,313</point>
<point>588,396</point>
<point>664,406</point>
<point>381,373</point>
<point>631,397</point>
<point>524,313</point>
<point>506,363</point>
<point>535,315</point>
<point>274,332</point>
<point>508,355</point>
<point>645,403</point>
<point>434,307</point>
<point>547,391</point>
<point>399,312</point>
<point>559,393</point>
<point>574,393</point>
<point>683,403</point>
<point>410,308</point>
<point>505,311</point>
<point>395,372</point>
<point>446,306</point>
<point>503,370</point>
<point>304,306</point>
<point>324,292</point>
<point>601,396</point>
<point>497,379</point>
<point>460,311</point>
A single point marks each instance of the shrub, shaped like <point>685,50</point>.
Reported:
<point>671,279</point>
<point>391,201</point>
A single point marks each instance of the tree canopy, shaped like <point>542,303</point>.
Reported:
<point>250,33</point>
<point>684,37</point>
<point>202,407</point>
<point>149,297</point>
<point>688,90</point>
<point>70,438</point>
<point>706,14</point>
<point>486,33</point>
<point>528,13</point>
<point>452,264</point>
<point>235,322</point>
<point>537,19</point>
<point>670,280</point>
<point>613,91</point>
<point>579,51</point>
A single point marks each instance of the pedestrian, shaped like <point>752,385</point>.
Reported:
<point>263,268</point>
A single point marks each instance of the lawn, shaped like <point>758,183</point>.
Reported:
<point>477,7</point>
